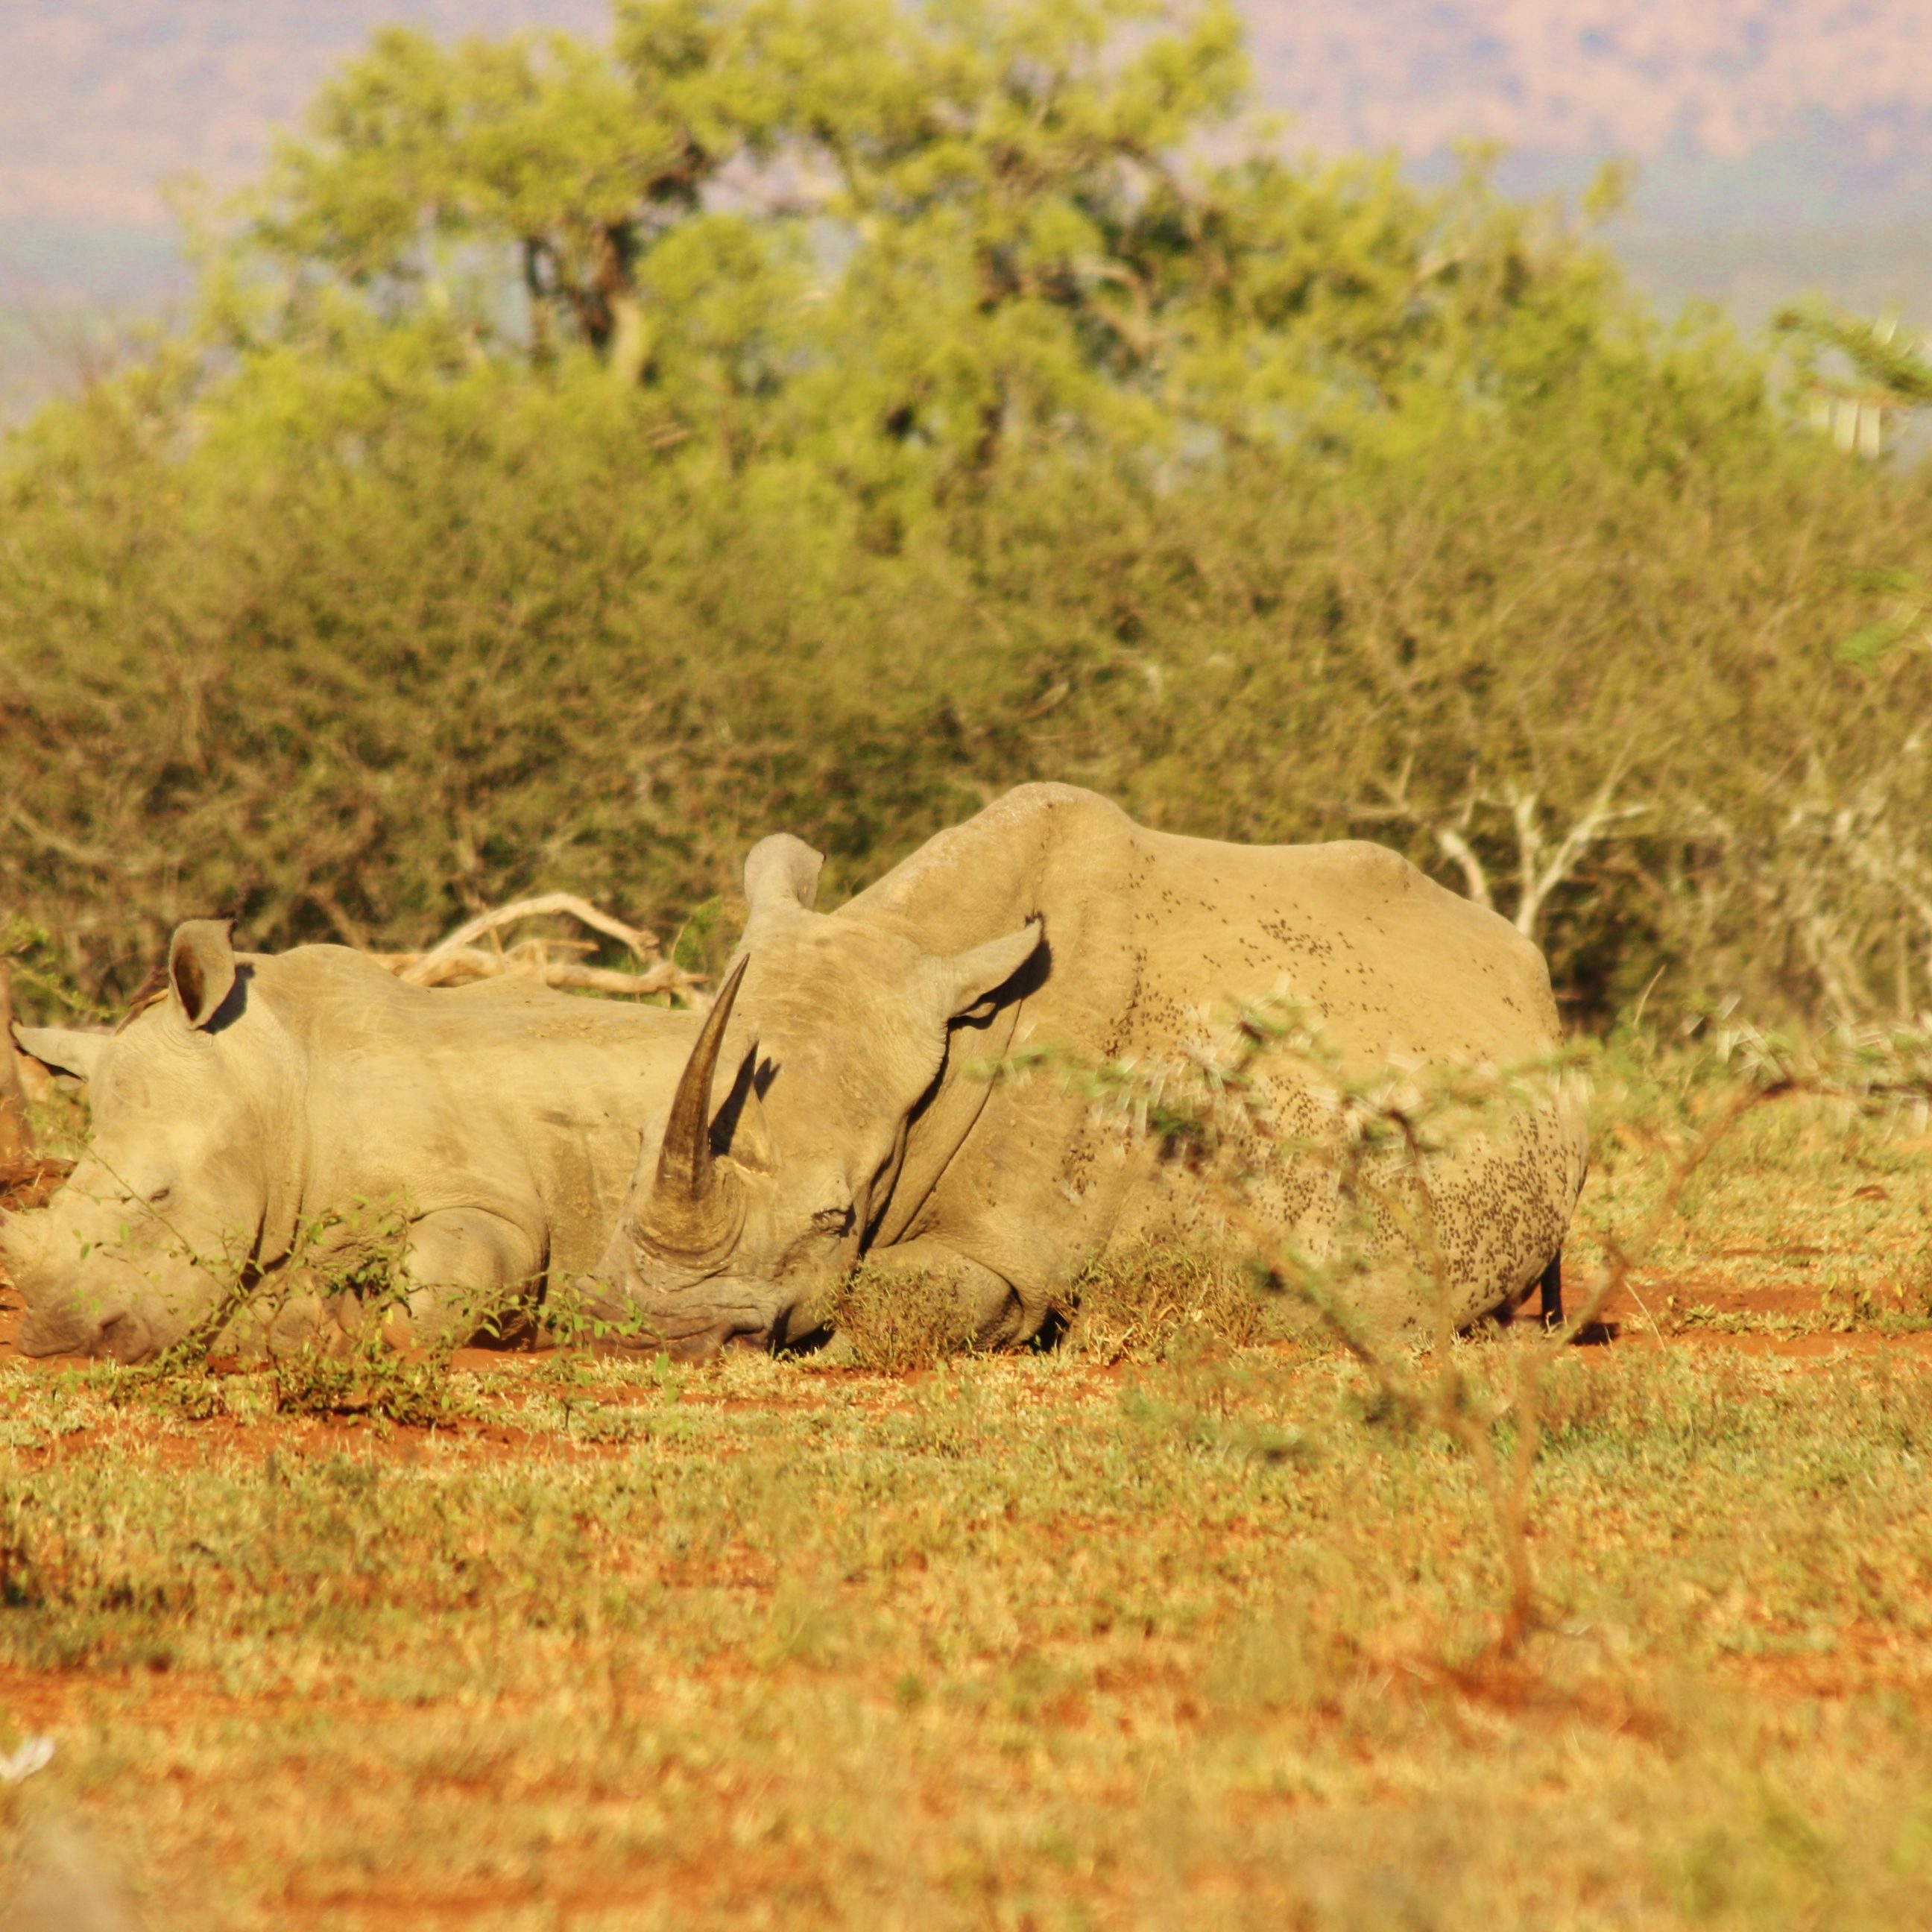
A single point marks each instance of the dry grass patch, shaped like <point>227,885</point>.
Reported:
<point>1139,1305</point>
<point>1205,1641</point>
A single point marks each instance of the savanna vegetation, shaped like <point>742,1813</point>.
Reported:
<point>820,414</point>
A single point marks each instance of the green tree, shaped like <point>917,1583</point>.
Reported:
<point>900,239</point>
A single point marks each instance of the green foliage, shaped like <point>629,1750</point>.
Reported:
<point>1908,603</point>
<point>1899,369</point>
<point>332,1324</point>
<point>28,956</point>
<point>1887,378</point>
<point>820,414</point>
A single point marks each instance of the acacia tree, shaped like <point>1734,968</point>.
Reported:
<point>903,238</point>
<point>539,151</point>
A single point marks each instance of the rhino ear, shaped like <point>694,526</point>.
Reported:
<point>963,979</point>
<point>64,1049</point>
<point>201,967</point>
<point>781,875</point>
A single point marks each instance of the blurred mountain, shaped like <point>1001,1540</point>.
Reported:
<point>1726,77</point>
<point>1784,144</point>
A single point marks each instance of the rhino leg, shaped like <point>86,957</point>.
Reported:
<point>1551,1287</point>
<point>991,1313</point>
<point>463,1265</point>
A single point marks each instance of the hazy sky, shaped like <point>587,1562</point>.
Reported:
<point>1728,75</point>
<point>1785,146</point>
<point>101,100</point>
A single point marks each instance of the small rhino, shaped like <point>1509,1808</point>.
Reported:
<point>259,1097</point>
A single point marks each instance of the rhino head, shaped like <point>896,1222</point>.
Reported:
<point>193,1105</point>
<point>761,1199</point>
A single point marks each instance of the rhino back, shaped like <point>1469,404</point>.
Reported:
<point>1399,967</point>
<point>1143,927</point>
<point>499,1096</point>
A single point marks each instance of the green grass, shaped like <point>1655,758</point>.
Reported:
<point>1178,1627</point>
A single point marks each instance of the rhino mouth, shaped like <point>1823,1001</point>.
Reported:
<point>705,1345</point>
<point>128,1300</point>
<point>694,1333</point>
<point>124,1335</point>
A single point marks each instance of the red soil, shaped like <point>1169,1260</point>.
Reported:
<point>1630,1318</point>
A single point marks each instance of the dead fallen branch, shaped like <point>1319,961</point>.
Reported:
<point>458,959</point>
<point>426,971</point>
<point>529,962</point>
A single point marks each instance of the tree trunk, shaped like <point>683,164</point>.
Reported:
<point>543,345</point>
<point>17,1139</point>
<point>630,341</point>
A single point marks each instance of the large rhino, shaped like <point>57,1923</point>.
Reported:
<point>261,1096</point>
<point>852,1124</point>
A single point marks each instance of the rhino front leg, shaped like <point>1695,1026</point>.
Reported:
<point>990,1311</point>
<point>463,1264</point>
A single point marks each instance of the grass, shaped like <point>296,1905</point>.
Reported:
<point>1815,1218</point>
<point>1177,1625</point>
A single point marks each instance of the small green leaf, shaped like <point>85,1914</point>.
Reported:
<point>1865,647</point>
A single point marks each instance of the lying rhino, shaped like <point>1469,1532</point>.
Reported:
<point>258,1096</point>
<point>852,1124</point>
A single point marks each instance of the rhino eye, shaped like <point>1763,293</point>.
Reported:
<point>833,1220</point>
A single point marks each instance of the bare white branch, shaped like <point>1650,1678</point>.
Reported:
<point>1541,867</point>
<point>1456,847</point>
<point>424,971</point>
<point>457,958</point>
<point>1538,876</point>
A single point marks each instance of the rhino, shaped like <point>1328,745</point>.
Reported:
<point>856,1122</point>
<point>258,1098</point>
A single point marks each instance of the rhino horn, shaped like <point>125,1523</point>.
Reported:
<point>689,1211</point>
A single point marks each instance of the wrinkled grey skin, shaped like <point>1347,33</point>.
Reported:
<point>846,1121</point>
<point>264,1094</point>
